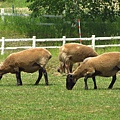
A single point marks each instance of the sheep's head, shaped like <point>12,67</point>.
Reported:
<point>70,81</point>
<point>73,77</point>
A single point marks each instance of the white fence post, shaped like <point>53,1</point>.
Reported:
<point>93,41</point>
<point>2,12</point>
<point>2,45</point>
<point>64,40</point>
<point>34,42</point>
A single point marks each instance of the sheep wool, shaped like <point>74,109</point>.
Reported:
<point>105,65</point>
<point>73,53</point>
<point>30,60</point>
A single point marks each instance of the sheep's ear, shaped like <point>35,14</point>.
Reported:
<point>70,57</point>
<point>70,75</point>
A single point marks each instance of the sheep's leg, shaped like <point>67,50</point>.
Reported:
<point>67,68</point>
<point>85,80</point>
<point>0,77</point>
<point>94,80</point>
<point>70,68</point>
<point>18,77</point>
<point>39,76</point>
<point>78,64</point>
<point>63,68</point>
<point>112,82</point>
<point>45,76</point>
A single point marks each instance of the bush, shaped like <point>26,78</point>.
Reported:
<point>28,26</point>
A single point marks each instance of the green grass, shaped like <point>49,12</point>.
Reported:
<point>54,102</point>
<point>16,3</point>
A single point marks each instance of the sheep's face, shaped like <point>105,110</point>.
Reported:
<point>70,82</point>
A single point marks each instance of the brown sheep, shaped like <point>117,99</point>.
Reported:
<point>31,60</point>
<point>106,65</point>
<point>72,53</point>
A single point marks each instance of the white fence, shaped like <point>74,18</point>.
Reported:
<point>3,14</point>
<point>63,40</point>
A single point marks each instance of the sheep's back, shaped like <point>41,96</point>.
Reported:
<point>77,52</point>
<point>30,56</point>
<point>107,63</point>
<point>34,53</point>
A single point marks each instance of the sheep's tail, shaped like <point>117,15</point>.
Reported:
<point>96,54</point>
<point>1,64</point>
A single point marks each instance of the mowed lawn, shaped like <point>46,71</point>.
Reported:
<point>55,102</point>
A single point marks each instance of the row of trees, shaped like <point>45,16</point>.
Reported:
<point>74,9</point>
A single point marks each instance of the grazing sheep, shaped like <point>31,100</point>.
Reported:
<point>106,65</point>
<point>72,53</point>
<point>31,60</point>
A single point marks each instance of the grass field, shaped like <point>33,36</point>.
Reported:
<point>54,102</point>
<point>16,3</point>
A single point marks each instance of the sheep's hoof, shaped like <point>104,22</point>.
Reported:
<point>36,84</point>
<point>19,84</point>
<point>95,87</point>
<point>109,87</point>
<point>86,88</point>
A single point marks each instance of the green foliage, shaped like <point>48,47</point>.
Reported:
<point>98,17</point>
<point>72,10</point>
<point>100,28</point>
<point>17,27</point>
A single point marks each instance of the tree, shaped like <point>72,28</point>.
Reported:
<point>74,9</point>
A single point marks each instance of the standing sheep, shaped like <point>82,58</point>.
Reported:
<point>106,65</point>
<point>72,53</point>
<point>31,60</point>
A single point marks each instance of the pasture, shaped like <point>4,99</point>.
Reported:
<point>55,102</point>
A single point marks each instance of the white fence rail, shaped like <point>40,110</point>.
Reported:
<point>3,14</point>
<point>63,40</point>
